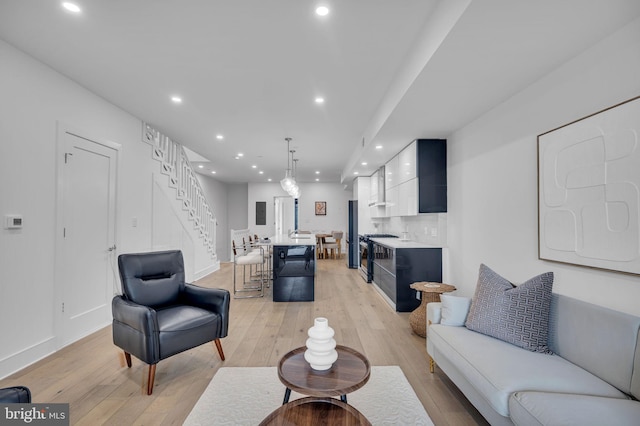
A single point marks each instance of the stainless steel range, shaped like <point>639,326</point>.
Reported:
<point>366,254</point>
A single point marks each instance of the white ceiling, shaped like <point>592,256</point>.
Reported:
<point>390,70</point>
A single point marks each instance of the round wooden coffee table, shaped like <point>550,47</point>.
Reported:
<point>316,411</point>
<point>350,372</point>
<point>430,293</point>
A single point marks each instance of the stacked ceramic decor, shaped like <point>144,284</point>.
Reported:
<point>321,346</point>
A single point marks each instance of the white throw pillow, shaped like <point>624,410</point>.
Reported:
<point>454,310</point>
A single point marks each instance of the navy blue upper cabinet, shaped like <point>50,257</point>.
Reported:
<point>432,175</point>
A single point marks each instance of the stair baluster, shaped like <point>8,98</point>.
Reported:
<point>175,164</point>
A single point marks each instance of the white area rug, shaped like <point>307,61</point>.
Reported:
<point>246,395</point>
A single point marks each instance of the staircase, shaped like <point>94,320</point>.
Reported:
<point>175,164</point>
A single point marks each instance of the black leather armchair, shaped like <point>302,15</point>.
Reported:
<point>159,315</point>
<point>15,395</point>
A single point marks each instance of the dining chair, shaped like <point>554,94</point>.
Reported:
<point>334,245</point>
<point>319,245</point>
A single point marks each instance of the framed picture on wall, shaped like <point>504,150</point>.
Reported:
<point>588,186</point>
<point>321,208</point>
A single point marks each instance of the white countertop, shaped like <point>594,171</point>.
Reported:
<point>398,243</point>
<point>284,240</point>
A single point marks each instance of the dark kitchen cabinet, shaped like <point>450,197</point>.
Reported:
<point>432,175</point>
<point>395,269</point>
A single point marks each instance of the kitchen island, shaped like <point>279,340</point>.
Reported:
<point>294,267</point>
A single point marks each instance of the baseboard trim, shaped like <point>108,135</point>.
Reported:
<point>27,356</point>
<point>206,271</point>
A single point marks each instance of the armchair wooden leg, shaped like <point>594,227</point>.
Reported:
<point>219,347</point>
<point>127,357</point>
<point>432,365</point>
<point>151,378</point>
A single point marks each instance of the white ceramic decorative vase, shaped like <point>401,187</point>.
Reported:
<point>321,346</point>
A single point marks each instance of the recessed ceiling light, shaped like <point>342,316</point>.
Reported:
<point>236,157</point>
<point>355,173</point>
<point>269,180</point>
<point>317,172</point>
<point>240,154</point>
<point>254,167</point>
<point>261,172</point>
<point>213,172</point>
<point>200,166</point>
<point>71,7</point>
<point>317,180</point>
<point>322,10</point>
<point>364,163</point>
<point>319,100</point>
<point>219,137</point>
<point>176,99</point>
<point>378,146</point>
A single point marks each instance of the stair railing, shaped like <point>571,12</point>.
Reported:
<point>175,164</point>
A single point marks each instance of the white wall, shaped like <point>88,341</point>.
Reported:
<point>492,176</point>
<point>35,99</point>
<point>336,197</point>
<point>237,206</point>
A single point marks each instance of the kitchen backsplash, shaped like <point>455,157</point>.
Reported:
<point>426,228</point>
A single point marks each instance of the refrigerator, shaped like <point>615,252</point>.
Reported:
<point>353,245</point>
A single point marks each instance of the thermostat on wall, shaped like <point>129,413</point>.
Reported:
<point>13,221</point>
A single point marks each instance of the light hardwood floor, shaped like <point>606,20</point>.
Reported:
<point>91,375</point>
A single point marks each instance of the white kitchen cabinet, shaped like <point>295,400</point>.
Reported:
<point>408,163</point>
<point>408,198</point>
<point>373,188</point>
<point>392,202</point>
<point>391,172</point>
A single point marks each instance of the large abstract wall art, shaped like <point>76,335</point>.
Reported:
<point>589,190</point>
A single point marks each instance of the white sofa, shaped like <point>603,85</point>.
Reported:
<point>593,377</point>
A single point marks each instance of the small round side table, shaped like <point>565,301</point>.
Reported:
<point>430,293</point>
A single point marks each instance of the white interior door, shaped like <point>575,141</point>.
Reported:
<point>283,214</point>
<point>86,261</point>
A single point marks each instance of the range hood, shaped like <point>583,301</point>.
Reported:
<point>381,198</point>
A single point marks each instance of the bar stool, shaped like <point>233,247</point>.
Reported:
<point>268,253</point>
<point>248,258</point>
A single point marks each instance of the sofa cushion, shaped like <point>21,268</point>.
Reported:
<point>454,310</point>
<point>600,340</point>
<point>497,369</point>
<point>542,408</point>
<point>515,314</point>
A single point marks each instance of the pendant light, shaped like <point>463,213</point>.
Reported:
<point>287,182</point>
<point>295,191</point>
